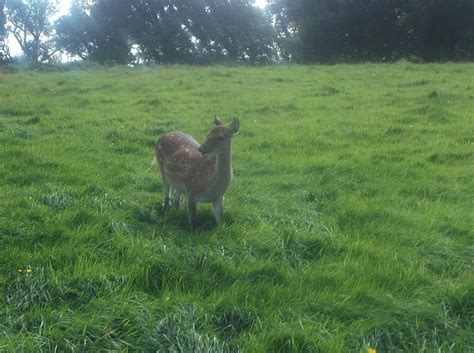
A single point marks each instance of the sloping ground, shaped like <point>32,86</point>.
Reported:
<point>349,221</point>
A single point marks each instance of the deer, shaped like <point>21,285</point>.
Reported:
<point>201,172</point>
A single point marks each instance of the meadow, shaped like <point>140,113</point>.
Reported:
<point>348,225</point>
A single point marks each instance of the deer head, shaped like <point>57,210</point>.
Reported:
<point>219,138</point>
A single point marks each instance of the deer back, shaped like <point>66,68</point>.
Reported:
<point>183,165</point>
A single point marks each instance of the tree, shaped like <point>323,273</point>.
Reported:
<point>74,31</point>
<point>97,32</point>
<point>351,30</point>
<point>202,31</point>
<point>31,27</point>
<point>3,33</point>
<point>167,31</point>
<point>440,29</point>
<point>371,31</point>
<point>160,28</point>
<point>235,30</point>
<point>375,30</point>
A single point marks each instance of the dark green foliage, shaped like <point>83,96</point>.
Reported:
<point>201,31</point>
<point>440,29</point>
<point>375,30</point>
<point>184,31</point>
<point>97,32</point>
<point>221,31</point>
<point>233,31</point>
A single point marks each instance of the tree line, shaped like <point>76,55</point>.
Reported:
<point>216,31</point>
<point>375,30</point>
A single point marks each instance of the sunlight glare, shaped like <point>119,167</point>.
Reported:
<point>63,7</point>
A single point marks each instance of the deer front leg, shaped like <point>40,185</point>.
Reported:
<point>218,208</point>
<point>192,207</point>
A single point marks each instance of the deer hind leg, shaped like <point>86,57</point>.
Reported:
<point>192,209</point>
<point>166,189</point>
<point>176,199</point>
<point>166,195</point>
<point>218,208</point>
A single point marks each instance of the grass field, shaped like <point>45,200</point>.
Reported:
<point>349,222</point>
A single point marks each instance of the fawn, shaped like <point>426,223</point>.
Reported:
<point>200,172</point>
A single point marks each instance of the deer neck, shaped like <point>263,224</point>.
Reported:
<point>223,172</point>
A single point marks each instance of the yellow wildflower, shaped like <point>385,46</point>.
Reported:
<point>371,350</point>
<point>29,270</point>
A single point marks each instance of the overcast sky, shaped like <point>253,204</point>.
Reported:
<point>63,9</point>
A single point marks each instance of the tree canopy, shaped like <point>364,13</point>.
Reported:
<point>96,32</point>
<point>216,31</point>
<point>167,31</point>
<point>364,30</point>
<point>30,24</point>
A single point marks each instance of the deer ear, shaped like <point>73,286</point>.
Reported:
<point>234,125</point>
<point>217,121</point>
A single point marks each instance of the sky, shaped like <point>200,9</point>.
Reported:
<point>63,10</point>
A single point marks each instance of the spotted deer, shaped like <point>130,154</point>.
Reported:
<point>200,172</point>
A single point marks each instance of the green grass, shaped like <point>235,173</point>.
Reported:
<point>349,222</point>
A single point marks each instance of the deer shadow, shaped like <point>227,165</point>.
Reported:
<point>179,218</point>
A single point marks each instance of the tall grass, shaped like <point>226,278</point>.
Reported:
<point>349,223</point>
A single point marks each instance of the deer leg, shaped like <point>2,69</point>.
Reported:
<point>166,195</point>
<point>166,189</point>
<point>176,199</point>
<point>218,208</point>
<point>192,208</point>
